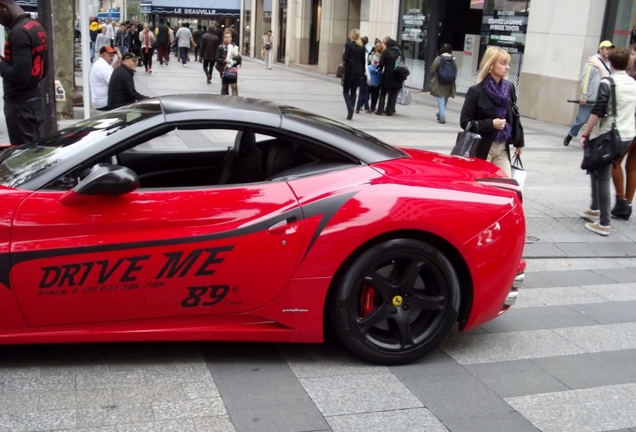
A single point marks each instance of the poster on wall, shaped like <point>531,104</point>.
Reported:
<point>505,29</point>
<point>413,25</point>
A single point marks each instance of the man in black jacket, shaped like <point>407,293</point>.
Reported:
<point>22,69</point>
<point>162,33</point>
<point>197,35</point>
<point>209,44</point>
<point>121,89</point>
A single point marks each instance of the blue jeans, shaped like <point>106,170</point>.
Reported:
<point>363,99</point>
<point>441,107</point>
<point>183,52</point>
<point>581,119</point>
<point>601,198</point>
<point>92,45</point>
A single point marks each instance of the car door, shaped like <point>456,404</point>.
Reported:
<point>175,252</point>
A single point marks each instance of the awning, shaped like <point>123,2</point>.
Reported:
<point>113,15</point>
<point>197,7</point>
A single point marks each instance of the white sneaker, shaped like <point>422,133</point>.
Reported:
<point>598,228</point>
<point>591,215</point>
<point>185,65</point>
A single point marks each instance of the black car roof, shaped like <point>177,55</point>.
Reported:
<point>348,139</point>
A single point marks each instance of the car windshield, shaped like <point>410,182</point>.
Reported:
<point>19,164</point>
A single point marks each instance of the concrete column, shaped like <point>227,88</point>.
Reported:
<point>299,29</point>
<point>275,6</point>
<point>253,21</point>
<point>338,18</point>
<point>257,39</point>
<point>561,36</point>
<point>382,19</point>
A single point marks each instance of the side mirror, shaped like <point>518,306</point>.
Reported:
<point>103,179</point>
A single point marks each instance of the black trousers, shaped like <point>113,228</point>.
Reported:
<point>349,91</point>
<point>390,97</point>
<point>147,58</point>
<point>375,94</point>
<point>208,67</point>
<point>24,120</point>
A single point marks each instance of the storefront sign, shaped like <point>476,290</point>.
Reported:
<point>412,24</point>
<point>167,10</point>
<point>505,29</point>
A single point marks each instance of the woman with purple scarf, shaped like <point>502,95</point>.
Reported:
<point>488,107</point>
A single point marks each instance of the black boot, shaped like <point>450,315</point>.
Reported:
<point>622,209</point>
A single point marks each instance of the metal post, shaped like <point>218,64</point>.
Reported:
<point>433,39</point>
<point>47,86</point>
<point>86,57</point>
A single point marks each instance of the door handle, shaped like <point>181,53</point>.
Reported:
<point>285,226</point>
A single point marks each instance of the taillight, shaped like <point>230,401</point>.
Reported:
<point>502,183</point>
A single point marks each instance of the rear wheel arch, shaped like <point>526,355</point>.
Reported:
<point>458,262</point>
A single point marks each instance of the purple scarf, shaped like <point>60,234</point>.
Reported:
<point>500,95</point>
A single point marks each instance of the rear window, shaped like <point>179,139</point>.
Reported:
<point>20,164</point>
<point>324,121</point>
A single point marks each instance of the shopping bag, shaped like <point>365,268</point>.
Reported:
<point>518,173</point>
<point>404,96</point>
<point>467,142</point>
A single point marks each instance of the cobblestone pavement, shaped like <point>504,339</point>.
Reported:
<point>562,359</point>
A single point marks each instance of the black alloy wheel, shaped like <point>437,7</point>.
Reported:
<point>396,302</point>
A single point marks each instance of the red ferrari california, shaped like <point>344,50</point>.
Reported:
<point>269,224</point>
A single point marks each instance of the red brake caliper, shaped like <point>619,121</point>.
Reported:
<point>367,298</point>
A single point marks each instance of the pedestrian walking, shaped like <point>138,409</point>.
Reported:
<point>110,33</point>
<point>185,41</point>
<point>598,214</point>
<point>355,59</point>
<point>101,71</point>
<point>22,68</point>
<point>268,47</point>
<point>209,44</point>
<point>590,79</point>
<point>443,75</point>
<point>374,61</point>
<point>228,56</point>
<point>93,30</point>
<point>122,40</point>
<point>121,88</point>
<point>101,40</point>
<point>390,83</point>
<point>625,179</point>
<point>197,35</point>
<point>488,108</point>
<point>363,99</point>
<point>135,42</point>
<point>147,38</point>
<point>162,36</point>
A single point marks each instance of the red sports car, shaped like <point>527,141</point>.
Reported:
<point>215,218</point>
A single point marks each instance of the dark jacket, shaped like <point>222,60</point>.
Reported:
<point>209,46</point>
<point>163,34</point>
<point>24,64</point>
<point>197,35</point>
<point>479,107</point>
<point>122,39</point>
<point>355,58</point>
<point>221,55</point>
<point>389,81</point>
<point>121,88</point>
<point>135,42</point>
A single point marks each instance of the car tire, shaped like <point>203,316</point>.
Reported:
<point>396,301</point>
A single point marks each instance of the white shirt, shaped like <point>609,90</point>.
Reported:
<point>625,107</point>
<point>110,31</point>
<point>99,79</point>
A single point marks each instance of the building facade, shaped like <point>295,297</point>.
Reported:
<point>549,40</point>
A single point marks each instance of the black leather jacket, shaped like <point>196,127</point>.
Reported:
<point>602,106</point>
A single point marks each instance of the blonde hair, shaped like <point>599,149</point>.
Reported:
<point>381,49</point>
<point>492,55</point>
<point>354,35</point>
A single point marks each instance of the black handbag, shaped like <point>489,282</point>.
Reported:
<point>517,129</point>
<point>340,72</point>
<point>467,142</point>
<point>607,147</point>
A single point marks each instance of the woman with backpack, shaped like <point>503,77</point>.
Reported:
<point>443,74</point>
<point>390,82</point>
